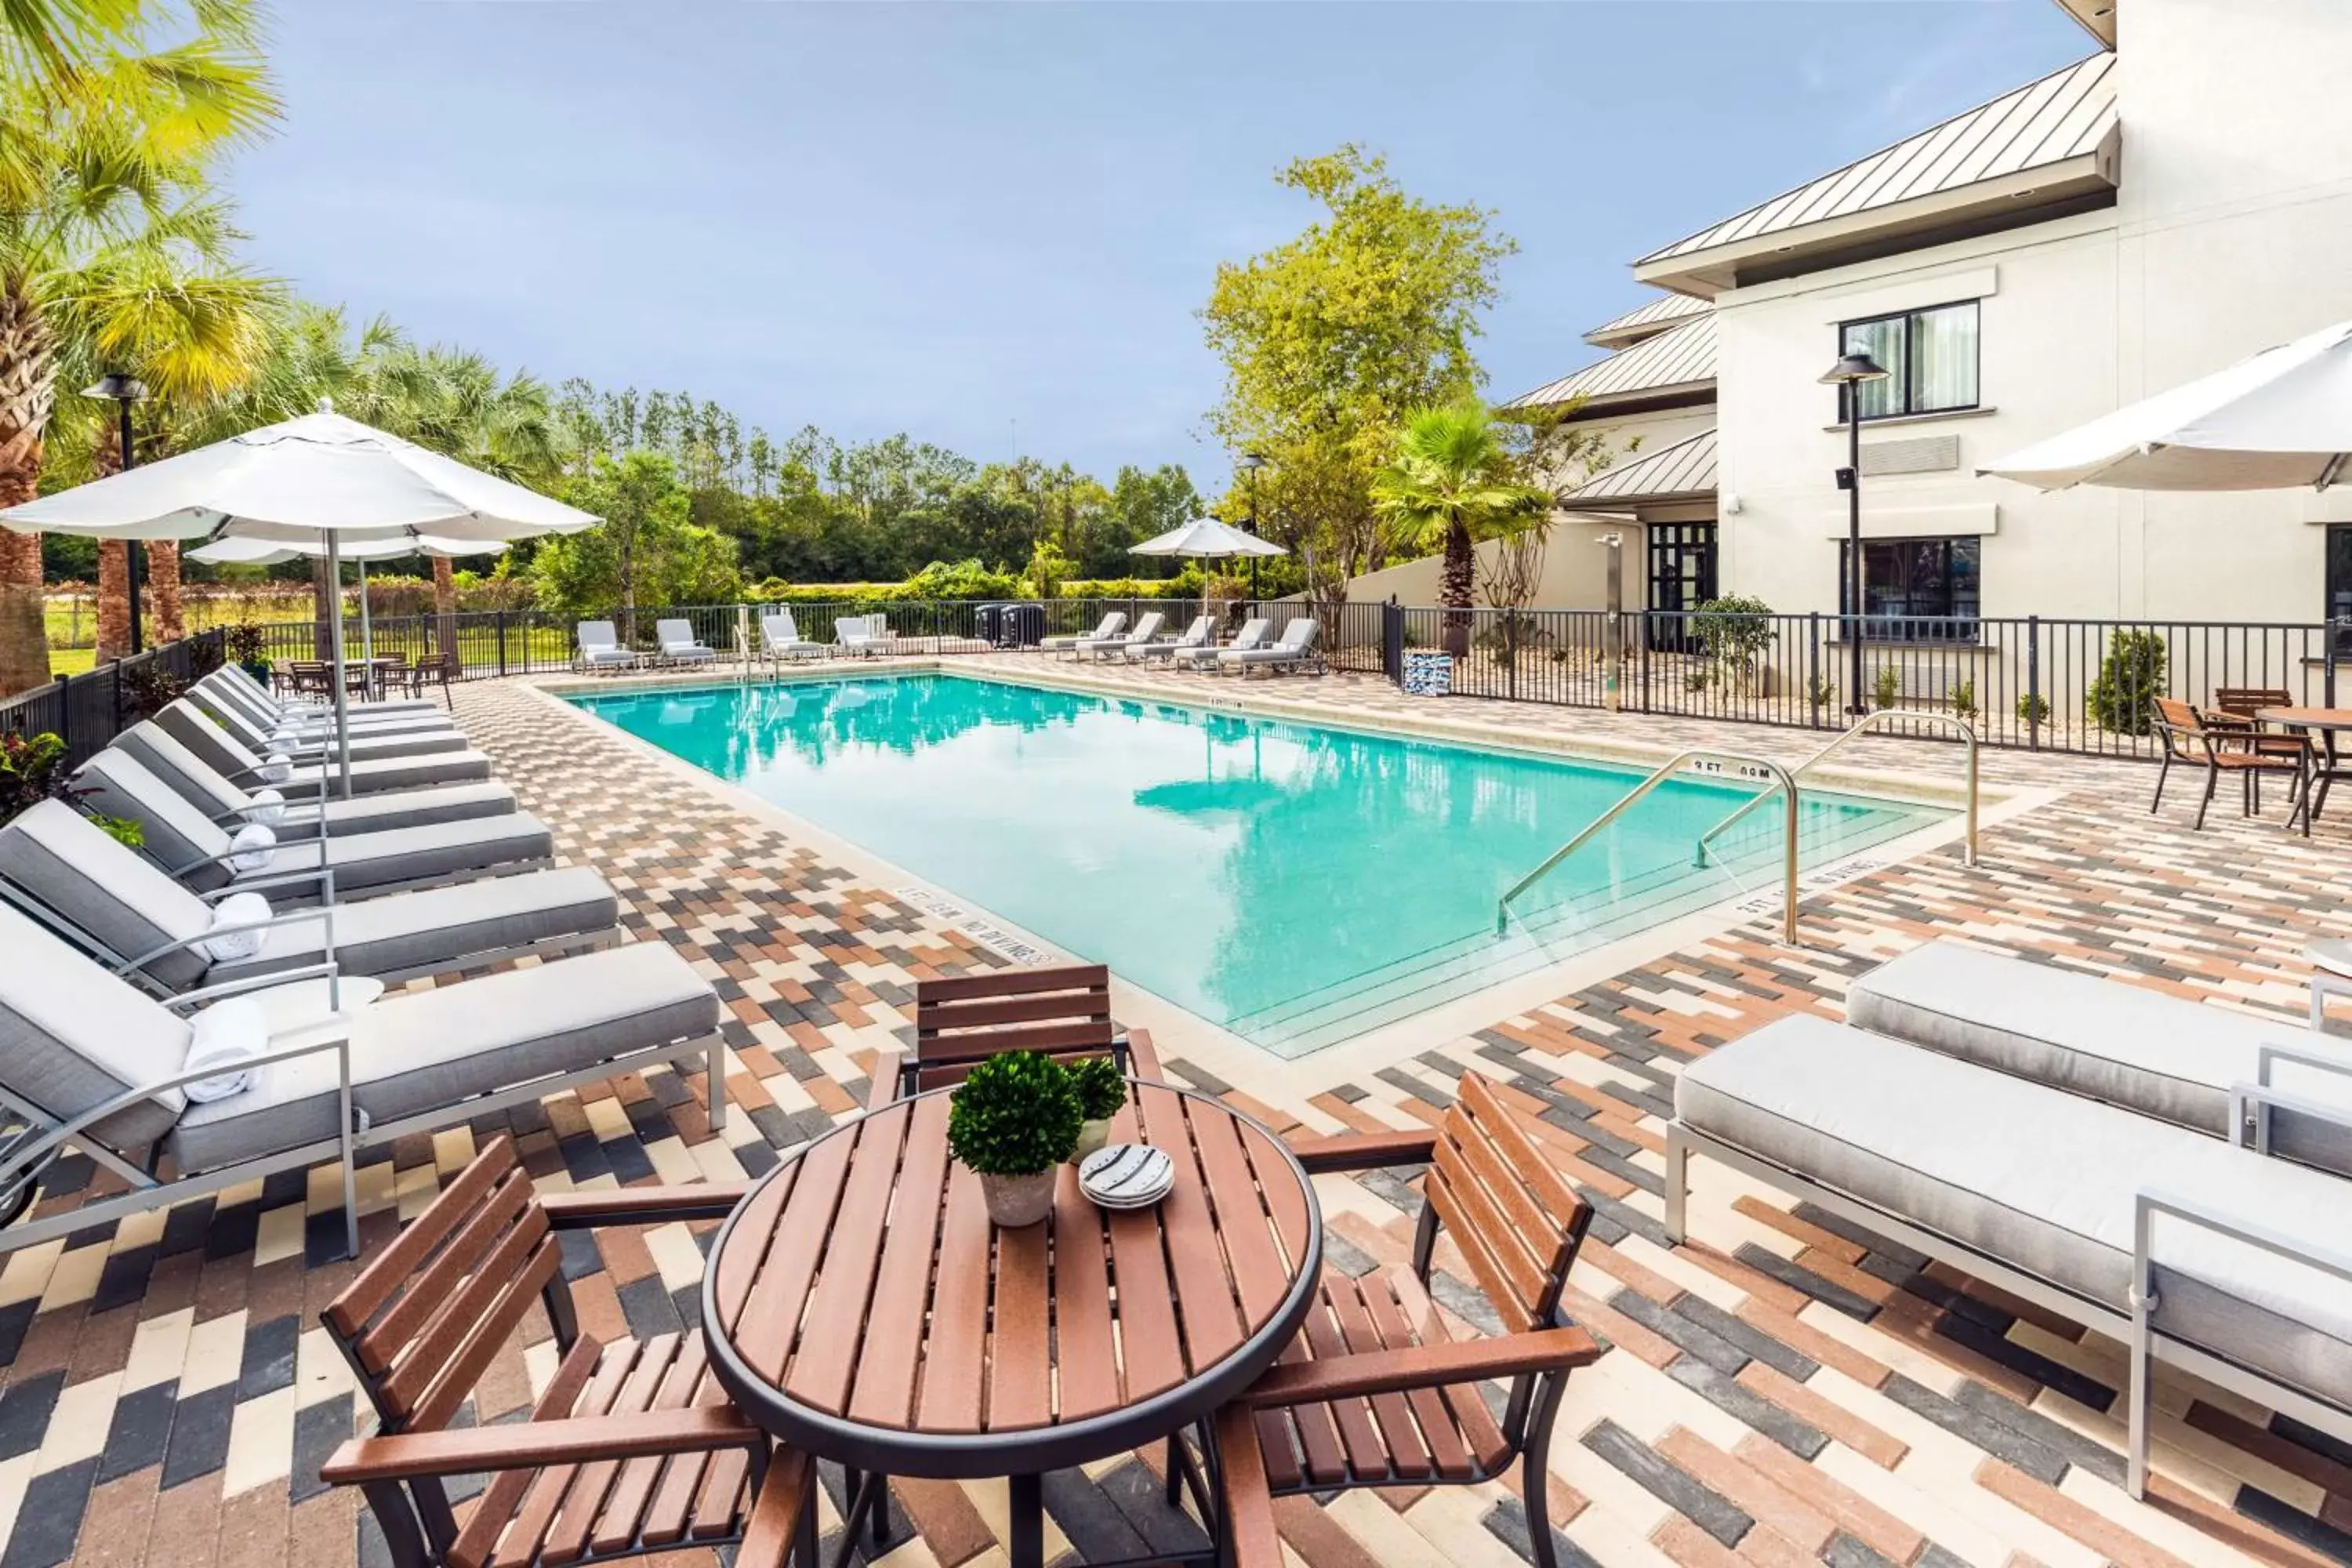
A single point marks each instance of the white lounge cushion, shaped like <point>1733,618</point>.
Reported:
<point>72,1036</point>
<point>2161,1055</point>
<point>2043,1181</point>
<point>62,859</point>
<point>429,1050</point>
<point>397,855</point>
<point>194,730</point>
<point>439,929</point>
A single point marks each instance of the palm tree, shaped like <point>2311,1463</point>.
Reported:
<point>51,43</point>
<point>1451,482</point>
<point>105,234</point>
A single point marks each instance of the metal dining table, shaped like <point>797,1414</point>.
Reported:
<point>2326,724</point>
<point>860,1305</point>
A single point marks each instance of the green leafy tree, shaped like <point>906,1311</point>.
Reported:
<point>1329,342</point>
<point>647,555</point>
<point>1452,483</point>
<point>105,225</point>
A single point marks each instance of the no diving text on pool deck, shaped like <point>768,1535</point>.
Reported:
<point>971,925</point>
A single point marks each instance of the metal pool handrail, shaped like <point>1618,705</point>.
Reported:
<point>1782,781</point>
<point>1952,721</point>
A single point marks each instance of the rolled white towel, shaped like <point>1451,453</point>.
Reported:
<point>277,768</point>
<point>237,910</point>
<point>268,807</point>
<point>249,848</point>
<point>229,1032</point>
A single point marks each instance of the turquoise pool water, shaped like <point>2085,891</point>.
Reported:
<point>1297,884</point>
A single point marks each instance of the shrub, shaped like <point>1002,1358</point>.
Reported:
<point>965,580</point>
<point>244,642</point>
<point>2122,700</point>
<point>1016,1115</point>
<point>150,688</point>
<point>1888,687</point>
<point>1102,1087</point>
<point>32,770</point>
<point>2032,709</point>
<point>1735,630</point>
<point>1964,698</point>
<point>1824,691</point>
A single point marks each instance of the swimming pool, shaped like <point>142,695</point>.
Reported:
<point>1295,884</point>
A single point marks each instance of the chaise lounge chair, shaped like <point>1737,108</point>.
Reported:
<point>863,635</point>
<point>114,904</point>
<point>2212,1255</point>
<point>1109,626</point>
<point>635,1435</point>
<point>226,698</point>
<point>367,744</point>
<point>193,729</point>
<point>600,649</point>
<point>87,1059</point>
<point>281,711</point>
<point>208,857</point>
<point>1252,635</point>
<point>678,644</point>
<point>1200,634</point>
<point>1294,652</point>
<point>781,640</point>
<point>1146,632</point>
<point>302,814</point>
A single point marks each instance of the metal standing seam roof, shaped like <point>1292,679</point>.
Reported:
<point>1685,470</point>
<point>2066,115</point>
<point>1646,321</point>
<point>1681,357</point>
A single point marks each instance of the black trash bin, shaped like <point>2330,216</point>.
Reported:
<point>1025,626</point>
<point>988,624</point>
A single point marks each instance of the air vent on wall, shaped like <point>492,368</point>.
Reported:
<point>1919,455</point>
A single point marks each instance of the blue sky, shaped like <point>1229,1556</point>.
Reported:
<point>949,218</point>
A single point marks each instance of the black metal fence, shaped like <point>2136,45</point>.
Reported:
<point>2081,686</point>
<point>2085,685</point>
<point>88,711</point>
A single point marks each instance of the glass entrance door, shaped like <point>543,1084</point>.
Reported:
<point>1682,578</point>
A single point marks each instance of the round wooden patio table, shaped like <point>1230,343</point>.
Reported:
<point>859,1305</point>
<point>2327,723</point>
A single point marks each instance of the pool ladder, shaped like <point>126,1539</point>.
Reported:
<point>1783,784</point>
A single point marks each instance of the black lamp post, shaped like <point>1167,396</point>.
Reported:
<point>123,391</point>
<point>1853,368</point>
<point>1250,463</point>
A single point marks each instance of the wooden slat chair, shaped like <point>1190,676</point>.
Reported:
<point>1375,1392</point>
<point>633,1448</point>
<point>2226,746</point>
<point>1062,1010</point>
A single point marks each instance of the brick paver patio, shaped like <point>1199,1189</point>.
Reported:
<point>1785,1390</point>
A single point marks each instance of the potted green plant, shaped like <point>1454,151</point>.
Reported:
<point>242,642</point>
<point>1013,1121</point>
<point>1102,1094</point>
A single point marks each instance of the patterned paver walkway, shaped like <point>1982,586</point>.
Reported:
<point>1784,1390</point>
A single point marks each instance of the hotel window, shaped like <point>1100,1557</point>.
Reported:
<point>1915,590</point>
<point>1929,357</point>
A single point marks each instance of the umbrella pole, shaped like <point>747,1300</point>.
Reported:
<point>367,626</point>
<point>335,662</point>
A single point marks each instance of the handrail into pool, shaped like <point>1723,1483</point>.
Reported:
<point>1782,781</point>
<point>1953,721</point>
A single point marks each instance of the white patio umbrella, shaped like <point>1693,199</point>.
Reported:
<point>260,553</point>
<point>318,480</point>
<point>2280,420</point>
<point>1206,537</point>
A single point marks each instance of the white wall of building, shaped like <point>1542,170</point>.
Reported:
<point>2232,233</point>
